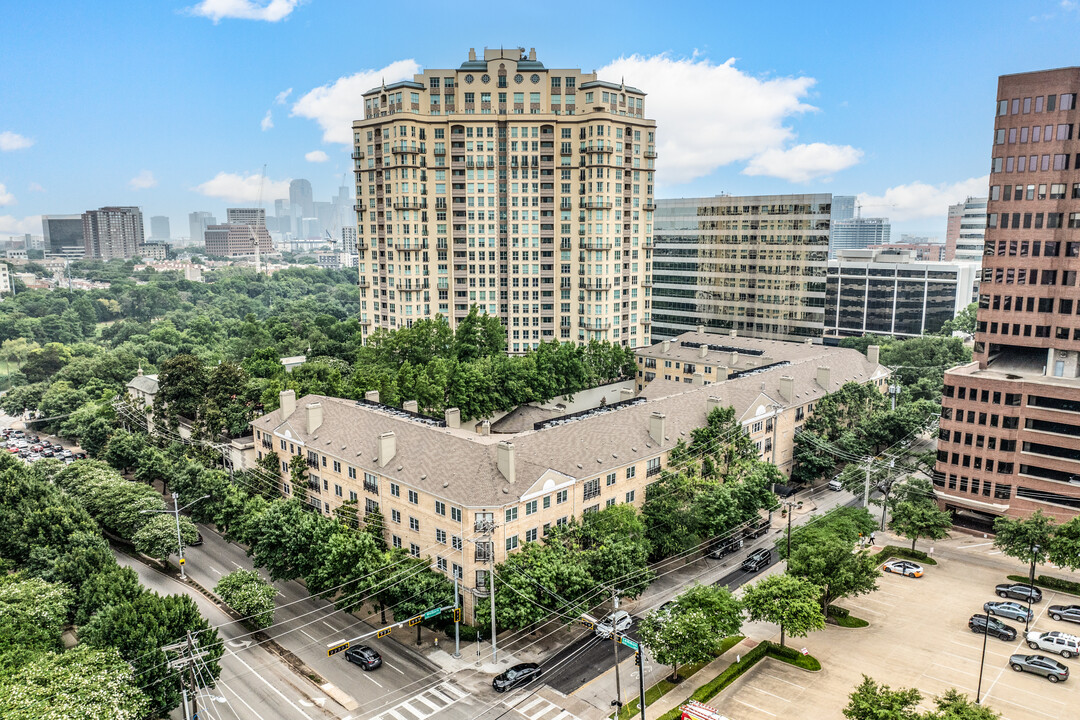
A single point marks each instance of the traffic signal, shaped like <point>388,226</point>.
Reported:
<point>637,659</point>
<point>457,614</point>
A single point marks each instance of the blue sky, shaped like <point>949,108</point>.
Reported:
<point>176,106</point>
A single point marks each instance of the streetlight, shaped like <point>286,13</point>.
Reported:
<point>790,505</point>
<point>1031,583</point>
<point>982,660</point>
<point>176,513</point>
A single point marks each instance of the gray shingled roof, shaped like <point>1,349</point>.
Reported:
<point>145,383</point>
<point>461,466</point>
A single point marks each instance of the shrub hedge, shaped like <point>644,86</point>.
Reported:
<point>1050,583</point>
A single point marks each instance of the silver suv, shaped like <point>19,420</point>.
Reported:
<point>1061,643</point>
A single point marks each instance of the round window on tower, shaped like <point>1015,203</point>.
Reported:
<point>485,78</point>
<point>518,78</point>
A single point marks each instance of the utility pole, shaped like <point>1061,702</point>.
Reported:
<point>641,680</point>
<point>191,675</point>
<point>615,640</point>
<point>175,512</point>
<point>866,489</point>
<point>457,620</point>
<point>188,656</point>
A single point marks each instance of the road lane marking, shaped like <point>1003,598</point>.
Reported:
<point>312,639</point>
<point>330,626</point>
<point>214,569</point>
<point>968,547</point>
<point>237,564</point>
<point>391,667</point>
<point>754,707</point>
<point>368,676</point>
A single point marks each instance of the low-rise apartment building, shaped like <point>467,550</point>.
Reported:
<point>461,495</point>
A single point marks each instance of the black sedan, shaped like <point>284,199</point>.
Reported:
<point>363,656</point>
<point>1065,612</point>
<point>998,629</point>
<point>1017,591</point>
<point>520,674</point>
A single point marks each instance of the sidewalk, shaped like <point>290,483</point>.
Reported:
<point>686,688</point>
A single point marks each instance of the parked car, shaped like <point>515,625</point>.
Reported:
<point>903,567</point>
<point>1017,591</point>
<point>616,622</point>
<point>1014,611</point>
<point>363,656</point>
<point>1064,612</point>
<point>13,448</point>
<point>724,547</point>
<point>757,528</point>
<point>19,433</point>
<point>991,626</point>
<point>80,456</point>
<point>835,484</point>
<point>757,560</point>
<point>47,452</point>
<point>1049,668</point>
<point>666,607</point>
<point>198,541</point>
<point>518,675</point>
<point>1061,643</point>
<point>65,453</point>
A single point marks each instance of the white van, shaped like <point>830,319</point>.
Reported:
<point>835,484</point>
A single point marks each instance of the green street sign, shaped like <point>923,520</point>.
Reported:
<point>628,642</point>
<point>432,613</point>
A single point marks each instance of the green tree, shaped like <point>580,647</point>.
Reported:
<point>870,701</point>
<point>823,554</point>
<point>614,547</point>
<point>157,537</point>
<point>248,594</point>
<point>920,519</point>
<point>288,540</point>
<point>123,449</point>
<point>113,586</point>
<point>182,388</point>
<point>32,616</point>
<point>1017,537</point>
<point>44,362</point>
<point>1064,550</point>
<point>954,705</point>
<point>693,629</point>
<point>791,602</point>
<point>535,582</point>
<point>963,322</point>
<point>94,684</point>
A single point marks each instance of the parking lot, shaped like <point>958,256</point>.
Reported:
<point>918,637</point>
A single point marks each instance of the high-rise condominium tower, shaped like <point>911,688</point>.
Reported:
<point>524,190</point>
<point>1010,420</point>
<point>112,232</point>
<point>966,230</point>
<point>159,227</point>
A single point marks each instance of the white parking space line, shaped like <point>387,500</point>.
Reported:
<point>754,707</point>
<point>777,677</point>
<point>752,687</point>
<point>959,657</point>
<point>951,683</point>
<point>1042,696</point>
<point>1024,707</point>
<point>977,649</point>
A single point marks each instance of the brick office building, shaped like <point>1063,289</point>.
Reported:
<point>1010,420</point>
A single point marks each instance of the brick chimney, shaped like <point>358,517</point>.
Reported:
<point>712,403</point>
<point>387,448</point>
<point>410,406</point>
<point>287,401</point>
<point>787,387</point>
<point>823,377</point>
<point>314,417</point>
<point>873,352</point>
<point>453,417</point>
<point>656,427</point>
<point>506,460</point>
<point>372,396</point>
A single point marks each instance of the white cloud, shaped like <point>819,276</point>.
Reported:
<point>316,156</point>
<point>6,198</point>
<point>243,188</point>
<point>271,11</point>
<point>19,226</point>
<point>920,200</point>
<point>143,181</point>
<point>34,187</point>
<point>335,106</point>
<point>267,121</point>
<point>13,141</point>
<point>711,115</point>
<point>282,96</point>
<point>802,163</point>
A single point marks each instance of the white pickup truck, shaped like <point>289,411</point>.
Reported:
<point>1061,643</point>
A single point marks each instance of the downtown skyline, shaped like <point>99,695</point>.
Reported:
<point>204,94</point>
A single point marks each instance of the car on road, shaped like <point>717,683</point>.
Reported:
<point>757,560</point>
<point>1070,613</point>
<point>835,484</point>
<point>1061,643</point>
<point>1049,668</point>
<point>757,528</point>
<point>903,567</point>
<point>1017,591</point>
<point>365,657</point>
<point>518,675</point>
<point>666,607</point>
<point>724,547</point>
<point>616,622</point>
<point>991,626</point>
<point>1012,610</point>
<point>198,540</point>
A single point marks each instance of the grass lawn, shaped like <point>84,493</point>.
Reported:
<point>849,621</point>
<point>657,691</point>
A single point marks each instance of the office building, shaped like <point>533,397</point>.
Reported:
<point>843,207</point>
<point>521,189</point>
<point>301,198</point>
<point>891,292</point>
<point>238,240</point>
<point>1010,419</point>
<point>965,230</point>
<point>159,227</point>
<point>458,493</point>
<point>348,240</point>
<point>112,232</point>
<point>197,223</point>
<point>63,235</point>
<point>858,233</point>
<point>753,264</point>
<point>5,279</point>
<point>923,251</point>
<point>256,217</point>
<point>153,251</point>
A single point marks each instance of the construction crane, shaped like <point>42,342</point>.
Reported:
<point>331,239</point>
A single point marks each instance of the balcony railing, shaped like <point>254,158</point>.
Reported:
<point>357,154</point>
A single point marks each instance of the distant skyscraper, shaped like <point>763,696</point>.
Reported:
<point>236,240</point>
<point>301,198</point>
<point>112,232</point>
<point>198,222</point>
<point>159,228</point>
<point>63,235</point>
<point>255,217</point>
<point>843,207</point>
<point>348,240</point>
<point>857,234</point>
<point>965,230</point>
